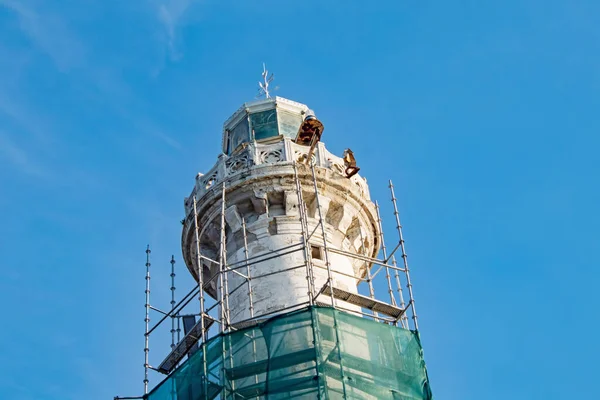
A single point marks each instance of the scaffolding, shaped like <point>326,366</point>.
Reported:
<point>231,362</point>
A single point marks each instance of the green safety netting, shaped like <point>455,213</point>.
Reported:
<point>317,352</point>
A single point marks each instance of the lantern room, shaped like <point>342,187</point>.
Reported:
<point>263,121</point>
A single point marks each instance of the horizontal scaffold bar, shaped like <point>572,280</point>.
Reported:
<point>186,344</point>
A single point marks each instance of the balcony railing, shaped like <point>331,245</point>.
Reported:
<point>256,154</point>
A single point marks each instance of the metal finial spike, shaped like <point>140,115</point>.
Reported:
<point>148,251</point>
<point>263,87</point>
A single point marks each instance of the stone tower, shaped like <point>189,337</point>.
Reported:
<point>281,233</point>
<point>265,172</point>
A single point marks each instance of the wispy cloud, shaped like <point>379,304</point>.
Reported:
<point>170,14</point>
<point>28,142</point>
<point>34,124</point>
<point>49,33</point>
<point>150,129</point>
<point>19,158</point>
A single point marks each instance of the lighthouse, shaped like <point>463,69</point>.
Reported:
<point>297,294</point>
<point>286,200</point>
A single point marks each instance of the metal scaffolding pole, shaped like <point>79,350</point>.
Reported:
<point>387,270</point>
<point>173,317</point>
<point>204,378</point>
<point>265,257</point>
<point>329,278</point>
<point>223,292</point>
<point>403,319</point>
<point>368,270</point>
<point>375,261</point>
<point>304,231</point>
<point>223,265</point>
<point>388,261</point>
<point>147,321</point>
<point>249,281</point>
<point>199,266</point>
<point>325,247</point>
<point>248,277</point>
<point>404,258</point>
<point>200,272</point>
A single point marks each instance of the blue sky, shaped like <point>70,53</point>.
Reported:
<point>484,113</point>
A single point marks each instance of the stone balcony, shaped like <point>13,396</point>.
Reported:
<point>282,151</point>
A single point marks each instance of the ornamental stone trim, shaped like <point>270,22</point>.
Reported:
<point>261,154</point>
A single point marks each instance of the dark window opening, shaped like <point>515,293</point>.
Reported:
<point>316,253</point>
<point>238,136</point>
<point>264,124</point>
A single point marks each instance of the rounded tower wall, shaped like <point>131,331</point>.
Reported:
<point>263,222</point>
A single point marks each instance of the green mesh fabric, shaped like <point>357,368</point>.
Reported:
<point>314,353</point>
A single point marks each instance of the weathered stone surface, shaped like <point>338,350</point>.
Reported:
<point>233,218</point>
<point>263,193</point>
<point>291,203</point>
<point>259,201</point>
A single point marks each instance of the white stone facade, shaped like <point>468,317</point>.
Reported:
<point>261,190</point>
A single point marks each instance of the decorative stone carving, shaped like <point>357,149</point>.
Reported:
<point>298,156</point>
<point>337,168</point>
<point>210,180</point>
<point>270,156</point>
<point>301,157</point>
<point>236,164</point>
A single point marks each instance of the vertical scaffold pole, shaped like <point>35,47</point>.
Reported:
<point>405,259</point>
<point>325,247</point>
<point>304,232</point>
<point>248,276</point>
<point>310,279</point>
<point>403,319</point>
<point>329,279</point>
<point>223,266</point>
<point>199,266</point>
<point>369,279</point>
<point>384,250</point>
<point>147,322</point>
<point>204,378</point>
<point>223,293</point>
<point>249,280</point>
<point>173,317</point>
